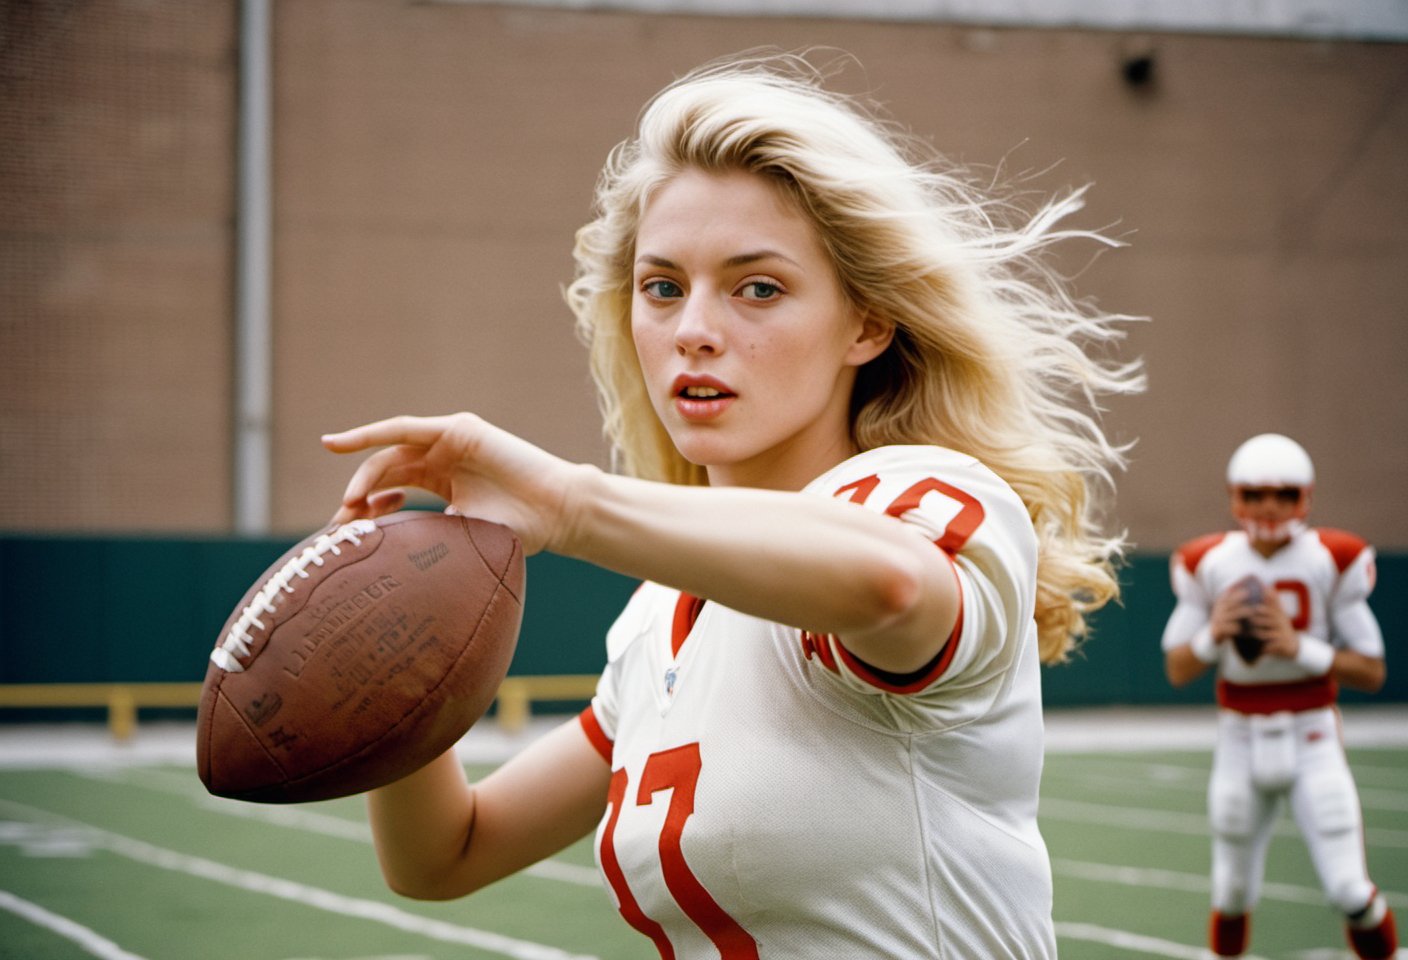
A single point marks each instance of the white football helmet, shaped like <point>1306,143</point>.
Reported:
<point>1272,460</point>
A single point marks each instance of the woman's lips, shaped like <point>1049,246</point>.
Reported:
<point>701,398</point>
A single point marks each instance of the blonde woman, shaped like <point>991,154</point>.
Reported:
<point>852,418</point>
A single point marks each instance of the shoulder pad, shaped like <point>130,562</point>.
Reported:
<point>1192,552</point>
<point>1343,546</point>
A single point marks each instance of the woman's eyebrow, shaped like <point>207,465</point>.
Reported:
<point>737,260</point>
<point>743,258</point>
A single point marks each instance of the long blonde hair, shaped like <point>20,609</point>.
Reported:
<point>990,354</point>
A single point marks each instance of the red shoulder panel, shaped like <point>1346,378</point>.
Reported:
<point>1344,547</point>
<point>1191,553</point>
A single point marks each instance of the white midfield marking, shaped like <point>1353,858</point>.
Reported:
<point>296,892</point>
<point>88,940</point>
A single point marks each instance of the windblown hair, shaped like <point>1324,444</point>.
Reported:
<point>991,356</point>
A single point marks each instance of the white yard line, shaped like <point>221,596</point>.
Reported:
<point>89,941</point>
<point>293,891</point>
<point>566,872</point>
<point>311,821</point>
<point>1194,882</point>
<point>1147,946</point>
<point>1135,818</point>
<point>1164,778</point>
<point>1188,824</point>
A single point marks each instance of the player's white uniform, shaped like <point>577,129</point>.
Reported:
<point>773,797</point>
<point>1278,728</point>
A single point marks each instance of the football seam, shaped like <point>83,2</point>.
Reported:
<point>254,734</point>
<point>514,553</point>
<point>350,758</point>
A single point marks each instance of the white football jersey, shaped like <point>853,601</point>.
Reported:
<point>1322,577</point>
<point>774,797</point>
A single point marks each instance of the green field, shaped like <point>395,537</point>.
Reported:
<point>139,862</point>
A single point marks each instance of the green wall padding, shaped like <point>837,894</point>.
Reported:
<point>85,609</point>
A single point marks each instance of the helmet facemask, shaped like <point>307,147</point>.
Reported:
<point>1246,501</point>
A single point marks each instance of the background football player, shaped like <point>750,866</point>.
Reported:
<point>1281,610</point>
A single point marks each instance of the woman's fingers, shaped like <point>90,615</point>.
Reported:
<point>376,503</point>
<point>378,434</point>
<point>401,466</point>
<point>417,431</point>
<point>459,458</point>
<point>386,501</point>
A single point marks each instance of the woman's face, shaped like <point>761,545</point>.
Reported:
<point>748,347</point>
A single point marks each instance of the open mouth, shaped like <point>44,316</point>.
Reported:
<point>699,399</point>
<point>702,393</point>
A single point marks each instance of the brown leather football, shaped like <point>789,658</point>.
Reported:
<point>361,655</point>
<point>1249,645</point>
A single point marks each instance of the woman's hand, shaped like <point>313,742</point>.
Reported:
<point>480,470</point>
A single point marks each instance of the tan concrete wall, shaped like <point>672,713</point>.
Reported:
<point>433,160</point>
<point>116,137</point>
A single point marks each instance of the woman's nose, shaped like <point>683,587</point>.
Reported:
<point>700,329</point>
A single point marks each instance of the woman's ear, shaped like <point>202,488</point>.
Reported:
<point>873,337</point>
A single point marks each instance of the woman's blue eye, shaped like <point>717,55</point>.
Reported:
<point>761,290</point>
<point>662,289</point>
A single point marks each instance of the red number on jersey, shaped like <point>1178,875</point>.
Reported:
<point>617,877</point>
<point>960,528</point>
<point>1300,617</point>
<point>676,770</point>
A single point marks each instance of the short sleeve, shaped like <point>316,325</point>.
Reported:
<point>605,709</point>
<point>976,519</point>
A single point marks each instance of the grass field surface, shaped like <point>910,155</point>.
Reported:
<point>117,854</point>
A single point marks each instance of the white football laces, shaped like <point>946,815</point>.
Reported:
<point>236,643</point>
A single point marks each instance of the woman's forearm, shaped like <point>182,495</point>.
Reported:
<point>806,561</point>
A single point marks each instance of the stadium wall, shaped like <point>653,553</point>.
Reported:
<point>141,609</point>
<point>432,160</point>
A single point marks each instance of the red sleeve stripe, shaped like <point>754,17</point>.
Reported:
<point>595,735</point>
<point>819,646</point>
<point>925,675</point>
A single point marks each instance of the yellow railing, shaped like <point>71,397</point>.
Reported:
<point>516,695</point>
<point>123,700</point>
